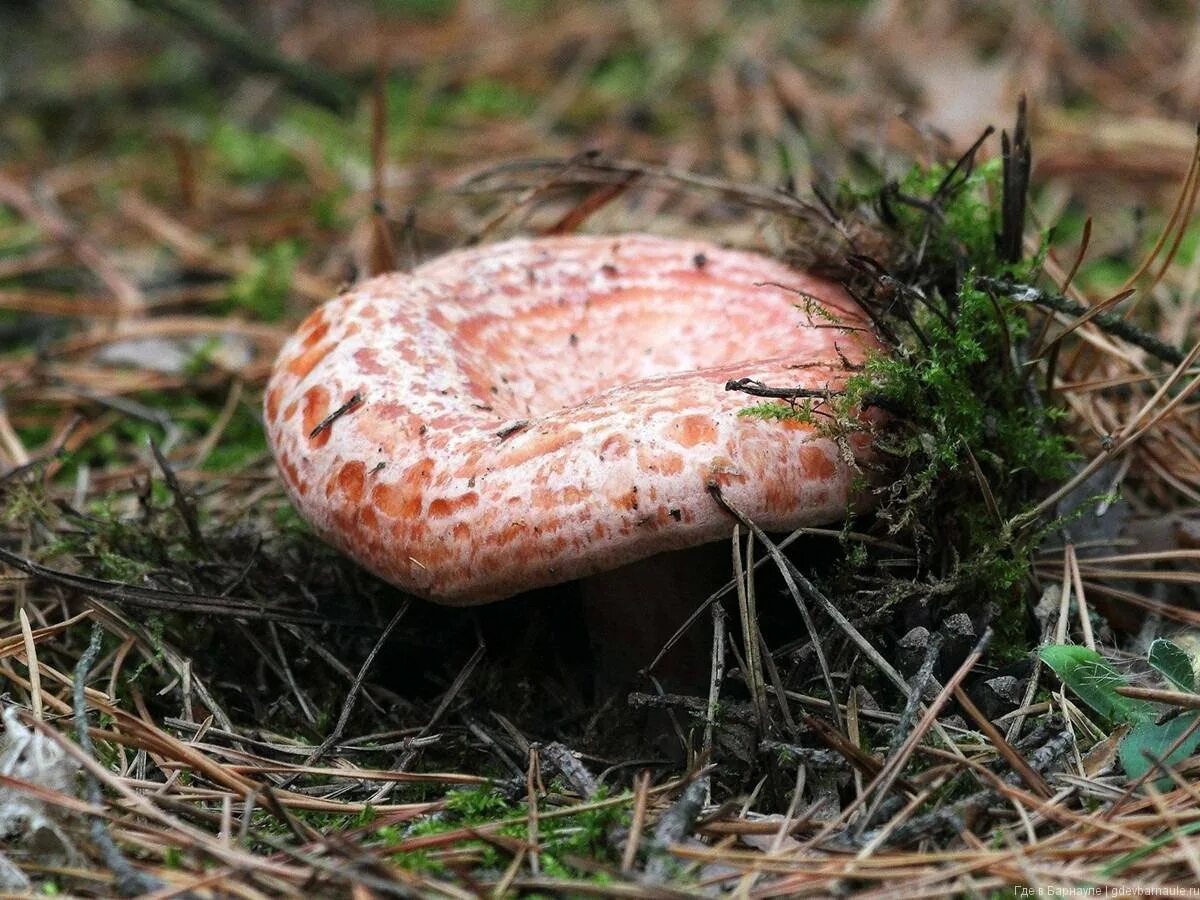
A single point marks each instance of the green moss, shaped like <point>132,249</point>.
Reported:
<point>803,411</point>
<point>623,76</point>
<point>487,98</point>
<point>417,9</point>
<point>242,440</point>
<point>478,804</point>
<point>584,834</point>
<point>959,399</point>
<point>264,290</point>
<point>250,156</point>
<point>968,444</point>
<point>963,227</point>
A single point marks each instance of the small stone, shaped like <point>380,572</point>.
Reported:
<point>912,647</point>
<point>864,698</point>
<point>959,634</point>
<point>1000,695</point>
<point>1187,532</point>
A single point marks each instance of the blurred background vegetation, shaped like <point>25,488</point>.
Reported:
<point>181,181</point>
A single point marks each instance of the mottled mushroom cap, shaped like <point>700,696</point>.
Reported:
<point>521,414</point>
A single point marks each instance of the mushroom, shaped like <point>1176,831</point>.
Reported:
<point>521,414</point>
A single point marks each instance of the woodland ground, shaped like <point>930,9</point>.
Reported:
<point>181,181</point>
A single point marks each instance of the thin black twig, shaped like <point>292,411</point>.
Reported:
<point>352,695</point>
<point>756,388</point>
<point>1018,163</point>
<point>183,505</point>
<point>350,405</point>
<point>172,601</point>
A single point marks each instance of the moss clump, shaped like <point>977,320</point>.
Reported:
<point>968,443</point>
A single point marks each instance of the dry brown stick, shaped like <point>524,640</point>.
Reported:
<point>641,794</point>
<point>1172,698</point>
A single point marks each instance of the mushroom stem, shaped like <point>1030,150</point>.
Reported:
<point>632,611</point>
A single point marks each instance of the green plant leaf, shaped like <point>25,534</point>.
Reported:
<point>1173,663</point>
<point>1094,681</point>
<point>1155,739</point>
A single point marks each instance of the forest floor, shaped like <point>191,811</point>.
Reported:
<point>202,699</point>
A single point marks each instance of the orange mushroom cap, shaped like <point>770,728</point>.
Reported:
<point>521,414</point>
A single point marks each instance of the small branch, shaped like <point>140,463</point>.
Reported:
<point>352,695</point>
<point>758,389</point>
<point>1109,322</point>
<point>253,52</point>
